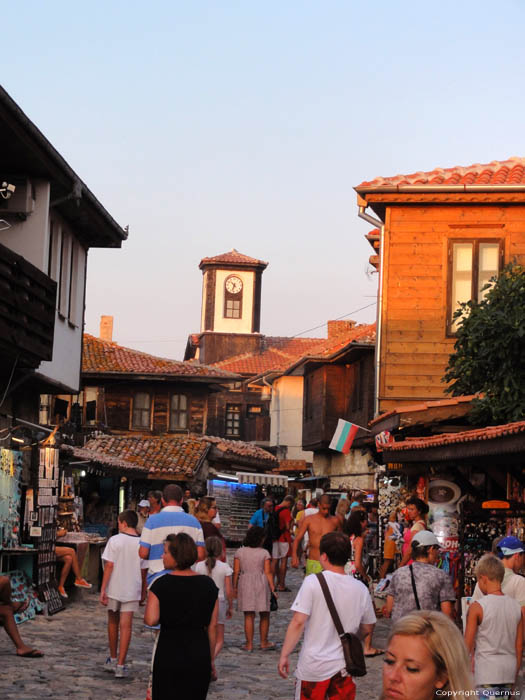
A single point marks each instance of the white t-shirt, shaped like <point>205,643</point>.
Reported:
<point>218,573</point>
<point>125,583</point>
<point>513,585</point>
<point>321,654</point>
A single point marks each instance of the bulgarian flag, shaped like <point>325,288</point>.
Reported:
<point>344,436</point>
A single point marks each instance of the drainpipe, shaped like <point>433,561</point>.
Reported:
<point>380,225</point>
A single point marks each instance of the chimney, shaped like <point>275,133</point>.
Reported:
<point>336,328</point>
<point>106,328</point>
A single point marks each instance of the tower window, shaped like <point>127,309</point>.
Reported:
<point>233,297</point>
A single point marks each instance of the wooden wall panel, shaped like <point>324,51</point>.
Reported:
<point>415,348</point>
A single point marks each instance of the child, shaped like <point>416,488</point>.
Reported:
<point>494,628</point>
<point>221,573</point>
<point>252,583</point>
<point>123,586</point>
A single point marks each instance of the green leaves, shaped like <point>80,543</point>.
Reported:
<point>489,353</point>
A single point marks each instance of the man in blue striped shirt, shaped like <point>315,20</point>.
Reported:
<point>170,521</point>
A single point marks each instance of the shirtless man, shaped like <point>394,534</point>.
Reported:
<point>316,526</point>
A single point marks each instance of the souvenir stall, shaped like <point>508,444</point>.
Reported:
<point>238,497</point>
<point>17,554</point>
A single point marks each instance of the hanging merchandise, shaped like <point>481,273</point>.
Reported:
<point>10,498</point>
<point>443,519</point>
<point>48,484</point>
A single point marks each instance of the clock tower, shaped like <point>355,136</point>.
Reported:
<point>231,305</point>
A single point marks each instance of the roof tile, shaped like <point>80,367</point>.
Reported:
<point>278,353</point>
<point>489,433</point>
<point>233,257</point>
<point>106,357</point>
<point>498,172</point>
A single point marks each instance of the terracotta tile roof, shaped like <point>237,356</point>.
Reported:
<point>240,451</point>
<point>498,172</point>
<point>278,353</point>
<point>424,406</point>
<point>105,357</point>
<point>489,433</point>
<point>176,457</point>
<point>233,257</point>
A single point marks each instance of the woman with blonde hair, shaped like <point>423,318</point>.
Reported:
<point>342,509</point>
<point>426,658</point>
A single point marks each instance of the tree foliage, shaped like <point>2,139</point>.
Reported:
<point>489,353</point>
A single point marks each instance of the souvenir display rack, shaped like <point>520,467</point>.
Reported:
<point>46,504</point>
<point>479,527</point>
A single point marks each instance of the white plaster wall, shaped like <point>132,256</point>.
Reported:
<point>234,325</point>
<point>30,238</point>
<point>355,462</point>
<point>203,302</point>
<point>286,417</point>
<point>64,369</point>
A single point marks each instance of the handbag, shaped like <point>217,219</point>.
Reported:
<point>352,647</point>
<point>274,605</point>
<point>418,606</point>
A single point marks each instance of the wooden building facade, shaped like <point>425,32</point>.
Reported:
<point>445,234</point>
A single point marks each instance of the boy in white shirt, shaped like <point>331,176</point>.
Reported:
<point>123,589</point>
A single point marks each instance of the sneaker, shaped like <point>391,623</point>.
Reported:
<point>82,583</point>
<point>62,592</point>
<point>110,665</point>
<point>121,671</point>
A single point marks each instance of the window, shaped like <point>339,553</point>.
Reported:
<point>233,297</point>
<point>233,420</point>
<point>179,412</point>
<point>236,386</point>
<point>472,263</point>
<point>141,410</point>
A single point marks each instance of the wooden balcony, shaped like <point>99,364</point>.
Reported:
<point>27,311</point>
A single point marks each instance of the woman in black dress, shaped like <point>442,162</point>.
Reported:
<point>186,606</point>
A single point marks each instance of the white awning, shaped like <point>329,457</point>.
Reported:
<point>262,479</point>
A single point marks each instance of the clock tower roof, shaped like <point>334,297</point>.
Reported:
<point>233,259</point>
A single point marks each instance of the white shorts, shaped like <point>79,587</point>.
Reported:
<point>223,607</point>
<point>118,606</point>
<point>280,549</point>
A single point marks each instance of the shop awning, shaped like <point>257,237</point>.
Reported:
<point>262,479</point>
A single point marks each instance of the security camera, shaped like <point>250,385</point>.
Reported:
<point>7,189</point>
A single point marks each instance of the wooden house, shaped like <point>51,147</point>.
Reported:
<point>441,236</point>
<point>131,392</point>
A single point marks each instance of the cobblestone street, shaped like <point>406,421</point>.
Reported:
<point>74,643</point>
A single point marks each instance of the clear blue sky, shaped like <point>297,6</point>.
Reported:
<point>211,125</point>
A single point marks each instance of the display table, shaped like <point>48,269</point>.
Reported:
<point>88,547</point>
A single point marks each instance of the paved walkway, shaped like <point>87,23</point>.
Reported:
<point>74,643</point>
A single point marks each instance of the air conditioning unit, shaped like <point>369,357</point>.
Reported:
<point>22,201</point>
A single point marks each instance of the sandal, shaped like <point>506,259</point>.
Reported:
<point>31,654</point>
<point>268,647</point>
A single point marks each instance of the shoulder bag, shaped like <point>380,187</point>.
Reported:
<point>352,647</point>
<point>418,606</point>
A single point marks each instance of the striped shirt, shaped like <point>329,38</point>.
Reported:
<point>170,521</point>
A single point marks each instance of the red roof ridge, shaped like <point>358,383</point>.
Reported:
<point>488,433</point>
<point>423,406</point>
<point>498,172</point>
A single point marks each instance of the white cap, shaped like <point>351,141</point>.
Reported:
<point>425,538</point>
<point>144,503</point>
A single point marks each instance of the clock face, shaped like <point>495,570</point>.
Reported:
<point>234,284</point>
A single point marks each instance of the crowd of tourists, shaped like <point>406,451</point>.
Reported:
<point>172,550</point>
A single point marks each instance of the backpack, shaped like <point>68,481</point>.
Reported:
<point>273,527</point>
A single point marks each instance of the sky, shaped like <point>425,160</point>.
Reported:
<point>213,125</point>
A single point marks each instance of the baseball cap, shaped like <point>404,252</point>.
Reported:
<point>425,538</point>
<point>144,503</point>
<point>510,545</point>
